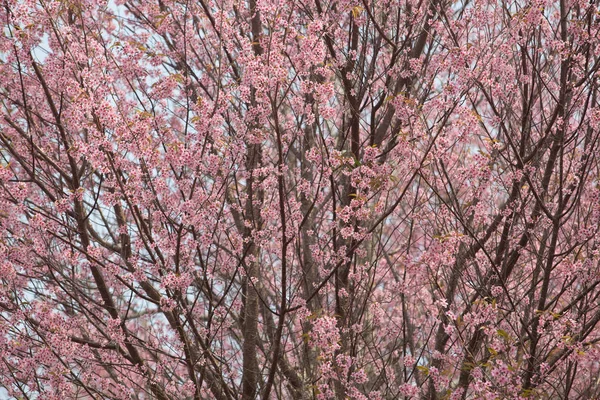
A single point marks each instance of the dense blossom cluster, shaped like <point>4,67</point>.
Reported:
<point>332,199</point>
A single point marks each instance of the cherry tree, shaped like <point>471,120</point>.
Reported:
<point>324,199</point>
